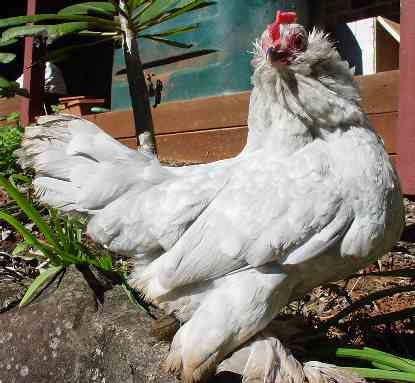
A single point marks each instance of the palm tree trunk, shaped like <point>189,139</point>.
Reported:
<point>137,84</point>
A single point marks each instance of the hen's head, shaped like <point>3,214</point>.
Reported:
<point>304,73</point>
<point>284,40</point>
<point>286,46</point>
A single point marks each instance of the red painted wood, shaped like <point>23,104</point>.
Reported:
<point>33,77</point>
<point>406,134</point>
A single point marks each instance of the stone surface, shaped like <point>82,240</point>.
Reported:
<point>10,295</point>
<point>66,336</point>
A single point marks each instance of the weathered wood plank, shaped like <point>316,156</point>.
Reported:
<point>118,124</point>
<point>380,95</point>
<point>386,124</point>
<point>212,145</point>
<point>202,114</point>
<point>380,92</point>
<point>9,105</point>
<point>203,146</point>
<point>205,130</point>
<point>131,142</point>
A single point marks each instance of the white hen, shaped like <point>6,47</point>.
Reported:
<point>313,197</point>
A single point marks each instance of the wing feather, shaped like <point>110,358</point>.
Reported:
<point>285,210</point>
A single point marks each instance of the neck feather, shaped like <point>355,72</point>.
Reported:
<point>313,97</point>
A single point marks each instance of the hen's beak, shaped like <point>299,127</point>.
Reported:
<point>276,55</point>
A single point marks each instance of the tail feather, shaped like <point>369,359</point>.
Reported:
<point>135,205</point>
<point>78,166</point>
<point>57,193</point>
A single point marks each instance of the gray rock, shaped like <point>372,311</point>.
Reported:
<point>65,336</point>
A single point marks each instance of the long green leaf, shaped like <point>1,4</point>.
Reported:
<point>156,8</point>
<point>105,262</point>
<point>8,42</point>
<point>174,31</point>
<point>17,32</point>
<point>6,58</point>
<point>133,4</point>
<point>30,238</point>
<point>52,31</point>
<point>173,43</point>
<point>56,224</point>
<point>29,210</point>
<point>20,248</point>
<point>191,5</point>
<point>4,83</point>
<point>131,294</point>
<point>137,9</point>
<point>370,373</point>
<point>22,20</point>
<point>100,8</point>
<point>376,356</point>
<point>41,280</point>
<point>19,177</point>
<point>4,43</point>
<point>386,354</point>
<point>383,366</point>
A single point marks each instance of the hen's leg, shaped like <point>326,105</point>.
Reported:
<point>238,307</point>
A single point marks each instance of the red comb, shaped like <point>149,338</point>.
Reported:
<point>281,18</point>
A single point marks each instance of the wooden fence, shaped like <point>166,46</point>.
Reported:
<point>214,128</point>
<point>205,130</point>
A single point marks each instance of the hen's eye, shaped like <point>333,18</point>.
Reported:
<point>298,42</point>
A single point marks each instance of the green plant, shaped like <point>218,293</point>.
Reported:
<point>123,21</point>
<point>10,88</point>
<point>10,140</point>
<point>62,244</point>
<point>56,108</point>
<point>386,366</point>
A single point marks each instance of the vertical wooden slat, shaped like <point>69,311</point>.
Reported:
<point>33,77</point>
<point>406,134</point>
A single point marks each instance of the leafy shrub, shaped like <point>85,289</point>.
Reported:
<point>382,366</point>
<point>10,88</point>
<point>10,139</point>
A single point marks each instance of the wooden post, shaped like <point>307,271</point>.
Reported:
<point>33,77</point>
<point>137,85</point>
<point>406,133</point>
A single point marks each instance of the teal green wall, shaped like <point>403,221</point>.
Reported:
<point>228,27</point>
